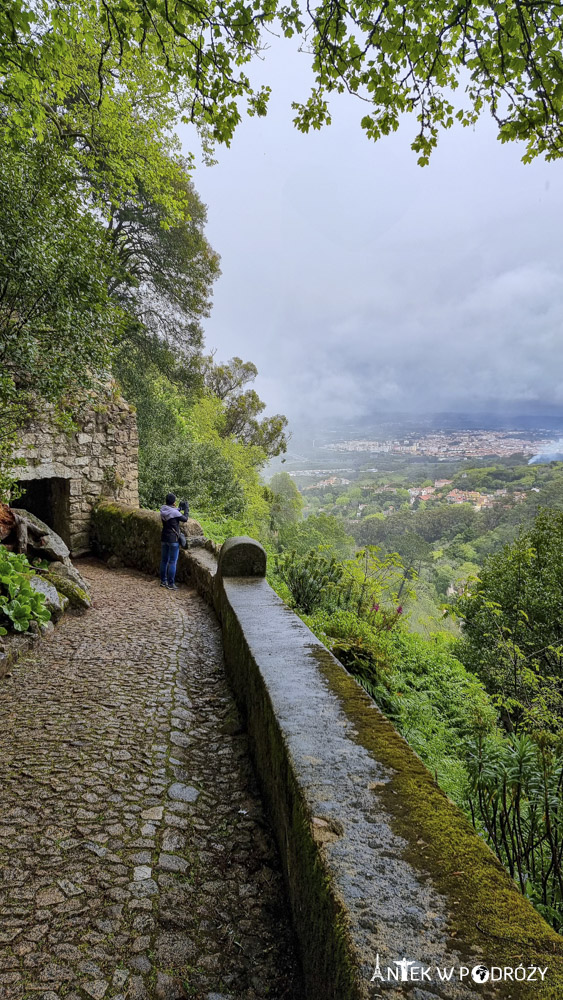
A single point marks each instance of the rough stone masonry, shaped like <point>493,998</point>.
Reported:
<point>66,472</point>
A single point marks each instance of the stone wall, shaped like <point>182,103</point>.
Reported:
<point>380,866</point>
<point>66,473</point>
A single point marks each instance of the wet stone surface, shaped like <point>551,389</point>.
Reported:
<point>134,858</point>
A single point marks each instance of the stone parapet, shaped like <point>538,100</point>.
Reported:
<point>382,870</point>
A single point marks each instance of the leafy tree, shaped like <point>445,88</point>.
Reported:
<point>57,319</point>
<point>241,423</point>
<point>241,409</point>
<point>227,381</point>
<point>287,502</point>
<point>168,268</point>
<point>397,57</point>
<point>194,470</point>
<point>315,532</point>
<point>513,628</point>
<point>58,322</point>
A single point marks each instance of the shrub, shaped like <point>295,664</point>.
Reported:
<point>19,603</point>
<point>515,798</point>
<point>308,577</point>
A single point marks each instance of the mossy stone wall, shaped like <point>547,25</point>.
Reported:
<point>378,862</point>
<point>75,469</point>
<point>133,535</point>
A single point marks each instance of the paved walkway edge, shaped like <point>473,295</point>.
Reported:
<point>379,864</point>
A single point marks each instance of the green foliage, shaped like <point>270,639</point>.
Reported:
<point>57,320</point>
<point>242,409</point>
<point>421,686</point>
<point>317,531</point>
<point>513,629</point>
<point>370,579</point>
<point>430,525</point>
<point>515,797</point>
<point>11,417</point>
<point>192,470</point>
<point>509,60</point>
<point>19,603</point>
<point>168,269</point>
<point>308,577</point>
<point>512,53</point>
<point>287,502</point>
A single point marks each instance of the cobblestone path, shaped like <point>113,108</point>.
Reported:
<point>134,857</point>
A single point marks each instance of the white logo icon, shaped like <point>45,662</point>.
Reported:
<point>480,974</point>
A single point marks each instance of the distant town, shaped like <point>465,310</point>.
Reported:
<point>444,445</point>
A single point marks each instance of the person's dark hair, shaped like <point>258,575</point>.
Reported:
<point>170,499</point>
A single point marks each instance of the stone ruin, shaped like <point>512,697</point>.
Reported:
<point>65,473</point>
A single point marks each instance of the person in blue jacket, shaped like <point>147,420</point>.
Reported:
<point>170,539</point>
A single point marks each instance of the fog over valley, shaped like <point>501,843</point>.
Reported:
<point>356,280</point>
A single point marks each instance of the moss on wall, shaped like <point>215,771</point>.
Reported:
<point>133,535</point>
<point>489,916</point>
<point>320,921</point>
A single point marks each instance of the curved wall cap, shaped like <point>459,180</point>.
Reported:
<point>242,556</point>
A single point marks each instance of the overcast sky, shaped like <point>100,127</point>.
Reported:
<point>357,281</point>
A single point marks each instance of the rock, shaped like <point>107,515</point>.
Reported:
<point>68,581</point>
<point>183,793</point>
<point>97,989</point>
<point>55,602</point>
<point>167,988</point>
<point>7,521</point>
<point>192,528</point>
<point>173,841</point>
<point>172,863</point>
<point>197,542</point>
<point>154,813</point>
<point>141,872</point>
<point>143,888</point>
<point>174,950</point>
<point>49,897</point>
<point>41,538</point>
<point>114,562</point>
<point>140,963</point>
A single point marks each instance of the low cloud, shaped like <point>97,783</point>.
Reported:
<point>358,282</point>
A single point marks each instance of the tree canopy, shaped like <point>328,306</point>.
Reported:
<point>58,322</point>
<point>396,57</point>
<point>242,409</point>
<point>512,626</point>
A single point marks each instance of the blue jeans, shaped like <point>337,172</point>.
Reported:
<point>168,561</point>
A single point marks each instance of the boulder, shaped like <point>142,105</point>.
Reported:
<point>56,603</point>
<point>68,581</point>
<point>41,538</point>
